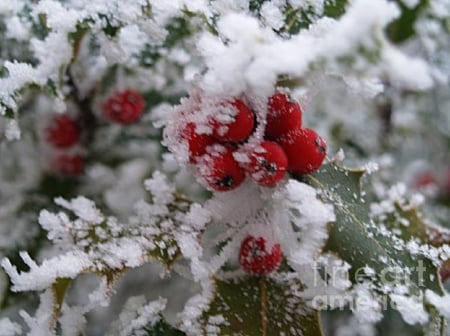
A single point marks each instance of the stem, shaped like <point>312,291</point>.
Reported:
<point>263,286</point>
<point>59,289</point>
<point>88,121</point>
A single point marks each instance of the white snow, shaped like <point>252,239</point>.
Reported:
<point>42,276</point>
<point>411,308</point>
<point>441,302</point>
<point>9,328</point>
<point>138,314</point>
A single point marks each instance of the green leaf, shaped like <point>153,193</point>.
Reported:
<point>59,289</point>
<point>258,306</point>
<point>357,239</point>
<point>403,27</point>
<point>162,328</point>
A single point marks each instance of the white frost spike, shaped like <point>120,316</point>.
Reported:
<point>42,276</point>
<point>411,308</point>
<point>8,328</point>
<point>197,217</point>
<point>367,309</point>
<point>195,307</point>
<point>83,207</point>
<point>298,204</point>
<point>41,323</point>
<point>137,315</point>
<point>12,130</point>
<point>100,297</point>
<point>56,225</point>
<point>236,205</point>
<point>162,192</point>
<point>442,303</point>
<point>72,321</point>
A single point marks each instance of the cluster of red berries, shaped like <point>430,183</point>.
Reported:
<point>286,145</point>
<point>257,258</point>
<point>63,133</point>
<point>124,107</point>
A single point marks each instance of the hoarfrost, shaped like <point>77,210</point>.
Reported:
<point>309,216</point>
<point>84,208</point>
<point>41,323</point>
<point>138,315</point>
<point>367,308</point>
<point>442,303</point>
<point>72,320</point>
<point>411,308</point>
<point>8,328</point>
<point>43,276</point>
<point>12,131</point>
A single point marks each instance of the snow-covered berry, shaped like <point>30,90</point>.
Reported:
<point>305,150</point>
<point>68,164</point>
<point>62,132</point>
<point>283,116</point>
<point>257,257</point>
<point>124,107</point>
<point>268,164</point>
<point>241,126</point>
<point>197,143</point>
<point>221,171</point>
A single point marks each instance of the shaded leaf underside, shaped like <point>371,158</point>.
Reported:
<point>254,306</point>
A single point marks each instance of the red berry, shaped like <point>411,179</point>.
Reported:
<point>305,150</point>
<point>424,180</point>
<point>221,171</point>
<point>197,143</point>
<point>255,258</point>
<point>240,128</point>
<point>283,116</point>
<point>446,182</point>
<point>68,164</point>
<point>124,107</point>
<point>268,164</point>
<point>63,131</point>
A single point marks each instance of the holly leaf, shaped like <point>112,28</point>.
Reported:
<point>362,242</point>
<point>403,28</point>
<point>255,306</point>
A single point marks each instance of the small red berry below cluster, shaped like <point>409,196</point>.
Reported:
<point>68,164</point>
<point>63,134</point>
<point>63,131</point>
<point>287,146</point>
<point>124,107</point>
<point>257,257</point>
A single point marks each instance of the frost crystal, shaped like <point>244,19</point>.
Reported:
<point>137,316</point>
<point>8,328</point>
<point>411,308</point>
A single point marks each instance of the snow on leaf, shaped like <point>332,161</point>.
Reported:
<point>258,306</point>
<point>39,277</point>
<point>362,242</point>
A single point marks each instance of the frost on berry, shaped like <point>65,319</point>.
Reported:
<point>124,107</point>
<point>268,164</point>
<point>256,256</point>
<point>221,171</point>
<point>62,132</point>
<point>235,124</point>
<point>197,143</point>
